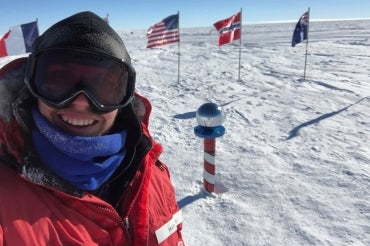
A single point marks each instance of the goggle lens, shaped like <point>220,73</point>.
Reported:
<point>58,76</point>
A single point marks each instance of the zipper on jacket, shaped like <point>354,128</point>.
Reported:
<point>122,221</point>
<point>126,224</point>
<point>160,165</point>
<point>126,220</point>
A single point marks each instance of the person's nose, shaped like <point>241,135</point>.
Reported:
<point>81,101</point>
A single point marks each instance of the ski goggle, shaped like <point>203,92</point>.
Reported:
<point>58,76</point>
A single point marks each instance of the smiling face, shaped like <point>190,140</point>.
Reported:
<point>78,118</point>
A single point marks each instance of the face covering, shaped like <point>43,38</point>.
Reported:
<point>86,162</point>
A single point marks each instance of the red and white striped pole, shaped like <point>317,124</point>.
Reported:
<point>209,118</point>
<point>209,164</point>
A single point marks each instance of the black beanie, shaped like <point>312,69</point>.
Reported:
<point>83,31</point>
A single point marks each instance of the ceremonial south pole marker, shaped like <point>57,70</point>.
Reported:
<point>209,118</point>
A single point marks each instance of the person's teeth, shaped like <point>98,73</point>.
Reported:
<point>77,122</point>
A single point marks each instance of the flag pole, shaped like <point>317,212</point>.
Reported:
<point>178,53</point>
<point>308,30</point>
<point>240,41</point>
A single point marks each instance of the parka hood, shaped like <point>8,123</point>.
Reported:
<point>16,122</point>
<point>11,83</point>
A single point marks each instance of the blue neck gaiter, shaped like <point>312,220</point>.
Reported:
<point>86,162</point>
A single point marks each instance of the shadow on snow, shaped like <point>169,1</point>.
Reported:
<point>293,133</point>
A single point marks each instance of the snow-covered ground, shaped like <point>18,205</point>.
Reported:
<point>293,167</point>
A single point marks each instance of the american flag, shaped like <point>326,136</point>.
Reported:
<point>164,32</point>
<point>229,29</point>
<point>301,29</point>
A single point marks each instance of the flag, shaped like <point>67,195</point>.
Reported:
<point>229,29</point>
<point>301,29</point>
<point>19,39</point>
<point>164,32</point>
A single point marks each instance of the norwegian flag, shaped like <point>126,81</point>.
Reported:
<point>229,29</point>
<point>301,29</point>
<point>164,32</point>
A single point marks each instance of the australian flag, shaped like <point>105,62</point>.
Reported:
<point>301,29</point>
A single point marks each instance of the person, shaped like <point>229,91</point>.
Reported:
<point>78,165</point>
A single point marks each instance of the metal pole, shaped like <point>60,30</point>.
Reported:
<point>240,42</point>
<point>178,53</point>
<point>305,60</point>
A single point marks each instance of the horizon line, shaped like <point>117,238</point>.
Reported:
<point>269,22</point>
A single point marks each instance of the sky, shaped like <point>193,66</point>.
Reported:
<point>293,166</point>
<point>141,14</point>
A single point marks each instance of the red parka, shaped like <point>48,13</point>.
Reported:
<point>136,207</point>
